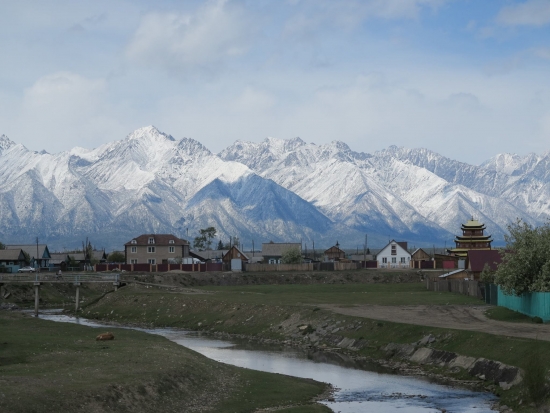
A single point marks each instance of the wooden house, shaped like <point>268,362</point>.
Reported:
<point>334,253</point>
<point>273,251</point>
<point>11,260</point>
<point>234,253</point>
<point>421,259</point>
<point>38,253</point>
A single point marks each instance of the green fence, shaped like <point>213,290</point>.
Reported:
<point>531,304</point>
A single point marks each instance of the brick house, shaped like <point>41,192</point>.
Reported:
<point>156,249</point>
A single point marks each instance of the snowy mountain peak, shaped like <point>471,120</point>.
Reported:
<point>283,145</point>
<point>149,133</point>
<point>5,143</point>
<point>192,148</point>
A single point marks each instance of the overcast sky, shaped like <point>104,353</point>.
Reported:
<point>465,78</point>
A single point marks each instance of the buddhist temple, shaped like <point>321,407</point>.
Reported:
<point>472,238</point>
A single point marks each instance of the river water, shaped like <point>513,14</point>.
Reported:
<point>359,390</point>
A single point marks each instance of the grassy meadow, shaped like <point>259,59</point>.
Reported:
<point>47,366</point>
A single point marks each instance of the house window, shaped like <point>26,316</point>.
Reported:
<point>384,260</point>
<point>393,260</point>
<point>171,249</point>
<point>151,240</point>
<point>150,249</point>
<point>133,261</point>
<point>151,261</point>
<point>393,250</point>
<point>402,260</point>
<point>134,241</point>
<point>171,241</point>
<point>133,249</point>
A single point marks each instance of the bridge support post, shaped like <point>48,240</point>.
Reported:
<point>77,298</point>
<point>36,297</point>
<point>1,292</point>
<point>116,284</point>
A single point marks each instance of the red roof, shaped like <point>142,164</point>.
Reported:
<point>160,239</point>
<point>478,259</point>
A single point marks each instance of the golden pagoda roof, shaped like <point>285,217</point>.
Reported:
<point>473,223</point>
<point>474,238</point>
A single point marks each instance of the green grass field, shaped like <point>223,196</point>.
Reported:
<point>261,310</point>
<point>505,314</point>
<point>346,294</point>
<point>52,367</point>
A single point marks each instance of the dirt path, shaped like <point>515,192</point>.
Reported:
<point>471,318</point>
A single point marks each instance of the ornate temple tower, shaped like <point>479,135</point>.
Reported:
<point>472,238</point>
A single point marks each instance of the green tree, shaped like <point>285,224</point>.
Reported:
<point>204,240</point>
<point>525,265</point>
<point>72,262</point>
<point>220,245</point>
<point>2,246</point>
<point>487,275</point>
<point>291,256</point>
<point>116,256</point>
<point>26,258</point>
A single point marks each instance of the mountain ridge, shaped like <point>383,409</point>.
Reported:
<point>276,189</point>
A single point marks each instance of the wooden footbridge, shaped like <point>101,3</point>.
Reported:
<point>37,279</point>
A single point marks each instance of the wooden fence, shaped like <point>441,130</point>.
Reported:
<point>466,287</point>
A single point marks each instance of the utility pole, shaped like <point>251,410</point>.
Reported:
<point>252,247</point>
<point>313,250</point>
<point>36,260</point>
<point>365,250</point>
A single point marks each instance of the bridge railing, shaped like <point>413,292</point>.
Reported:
<point>72,278</point>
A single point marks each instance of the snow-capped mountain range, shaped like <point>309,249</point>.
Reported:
<point>280,190</point>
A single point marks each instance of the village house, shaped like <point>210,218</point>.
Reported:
<point>334,253</point>
<point>460,274</point>
<point>39,254</point>
<point>273,251</point>
<point>208,255</point>
<point>234,253</point>
<point>394,255</point>
<point>11,260</point>
<point>63,260</point>
<point>478,259</point>
<point>421,259</point>
<point>156,249</point>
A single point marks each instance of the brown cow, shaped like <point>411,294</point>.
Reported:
<point>105,336</point>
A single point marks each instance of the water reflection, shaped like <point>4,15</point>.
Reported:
<point>359,390</point>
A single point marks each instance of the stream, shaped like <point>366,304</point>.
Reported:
<point>360,387</point>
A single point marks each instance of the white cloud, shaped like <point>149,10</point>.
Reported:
<point>64,108</point>
<point>530,13</point>
<point>542,52</point>
<point>182,42</point>
<point>347,14</point>
<point>252,100</point>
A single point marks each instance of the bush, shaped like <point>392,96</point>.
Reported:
<point>535,376</point>
<point>291,256</point>
<point>537,320</point>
